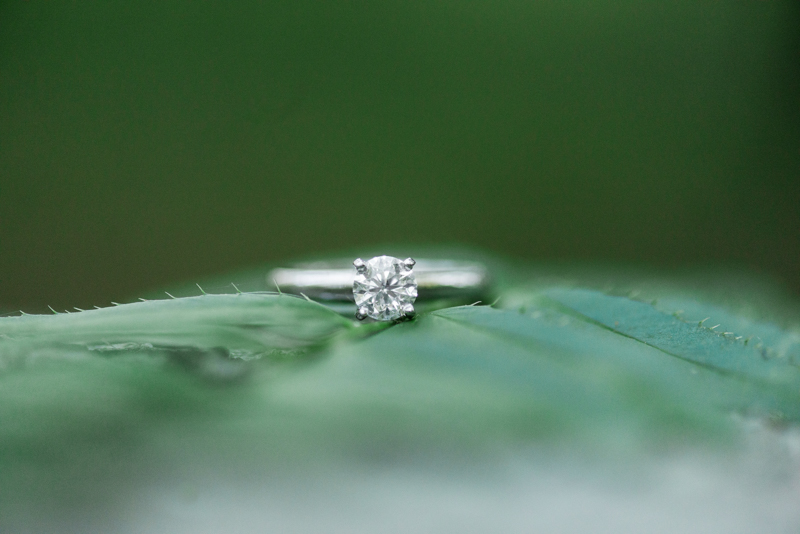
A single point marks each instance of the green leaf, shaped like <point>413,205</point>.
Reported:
<point>775,381</point>
<point>246,386</point>
<point>244,326</point>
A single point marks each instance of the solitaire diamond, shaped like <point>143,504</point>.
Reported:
<point>385,288</point>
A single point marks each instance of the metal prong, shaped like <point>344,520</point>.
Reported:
<point>361,314</point>
<point>409,311</point>
<point>409,263</point>
<point>361,267</point>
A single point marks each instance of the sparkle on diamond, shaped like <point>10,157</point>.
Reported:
<point>384,288</point>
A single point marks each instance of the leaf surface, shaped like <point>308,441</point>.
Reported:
<point>552,367</point>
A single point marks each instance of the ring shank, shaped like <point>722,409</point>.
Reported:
<point>436,279</point>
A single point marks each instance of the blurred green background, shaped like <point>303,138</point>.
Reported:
<point>143,143</point>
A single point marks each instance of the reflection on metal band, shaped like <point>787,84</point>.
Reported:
<point>333,281</point>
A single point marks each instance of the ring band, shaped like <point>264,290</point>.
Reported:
<point>436,280</point>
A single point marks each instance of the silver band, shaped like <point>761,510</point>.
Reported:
<point>333,281</point>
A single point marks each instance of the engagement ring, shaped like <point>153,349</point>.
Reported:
<point>385,288</point>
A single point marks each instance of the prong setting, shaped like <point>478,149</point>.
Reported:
<point>361,313</point>
<point>383,286</point>
<point>409,311</point>
<point>361,266</point>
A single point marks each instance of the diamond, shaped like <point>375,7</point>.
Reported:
<point>384,288</point>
